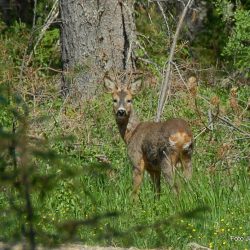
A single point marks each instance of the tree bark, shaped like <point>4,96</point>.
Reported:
<point>96,36</point>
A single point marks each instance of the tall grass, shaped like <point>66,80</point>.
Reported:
<point>93,204</point>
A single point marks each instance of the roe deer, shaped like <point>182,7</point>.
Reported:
<point>154,147</point>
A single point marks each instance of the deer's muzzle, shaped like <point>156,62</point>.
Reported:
<point>121,112</point>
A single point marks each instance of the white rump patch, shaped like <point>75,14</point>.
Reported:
<point>180,140</point>
<point>187,145</point>
<point>172,143</point>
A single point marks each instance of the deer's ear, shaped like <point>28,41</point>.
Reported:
<point>135,86</point>
<point>109,85</point>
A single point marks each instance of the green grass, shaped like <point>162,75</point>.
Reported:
<point>211,210</point>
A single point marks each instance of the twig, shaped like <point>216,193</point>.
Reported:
<point>145,37</point>
<point>165,19</point>
<point>228,122</point>
<point>166,80</point>
<point>200,133</point>
<point>182,79</point>
<point>49,20</point>
<point>149,62</point>
<point>210,119</point>
<point>34,14</point>
<point>29,49</point>
<point>143,49</point>
<point>52,69</point>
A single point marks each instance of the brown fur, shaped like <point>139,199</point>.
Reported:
<point>154,147</point>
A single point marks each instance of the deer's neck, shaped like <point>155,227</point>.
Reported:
<point>128,126</point>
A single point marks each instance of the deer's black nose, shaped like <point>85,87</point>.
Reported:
<point>121,112</point>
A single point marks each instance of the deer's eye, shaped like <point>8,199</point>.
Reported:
<point>115,100</point>
<point>129,101</point>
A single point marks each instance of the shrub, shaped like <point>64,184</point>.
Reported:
<point>238,47</point>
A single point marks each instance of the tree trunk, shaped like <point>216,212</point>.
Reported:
<point>96,36</point>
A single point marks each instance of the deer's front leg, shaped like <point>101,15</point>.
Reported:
<point>138,172</point>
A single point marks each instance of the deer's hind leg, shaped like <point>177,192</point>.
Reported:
<point>187,165</point>
<point>156,180</point>
<point>168,164</point>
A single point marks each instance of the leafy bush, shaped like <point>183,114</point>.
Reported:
<point>238,44</point>
<point>236,20</point>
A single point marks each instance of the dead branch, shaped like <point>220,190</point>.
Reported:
<point>210,119</point>
<point>29,51</point>
<point>229,123</point>
<point>147,61</point>
<point>226,121</point>
<point>165,88</point>
<point>34,14</point>
<point>49,20</point>
<point>165,19</point>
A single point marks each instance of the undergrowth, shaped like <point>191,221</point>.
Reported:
<point>211,210</point>
<point>81,177</point>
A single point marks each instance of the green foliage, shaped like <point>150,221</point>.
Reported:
<point>42,10</point>
<point>236,19</point>
<point>37,190</point>
<point>17,43</point>
<point>238,44</point>
<point>6,116</point>
<point>155,28</point>
<point>224,8</point>
<point>152,35</point>
<point>210,41</point>
<point>47,53</point>
<point>89,199</point>
<point>12,47</point>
